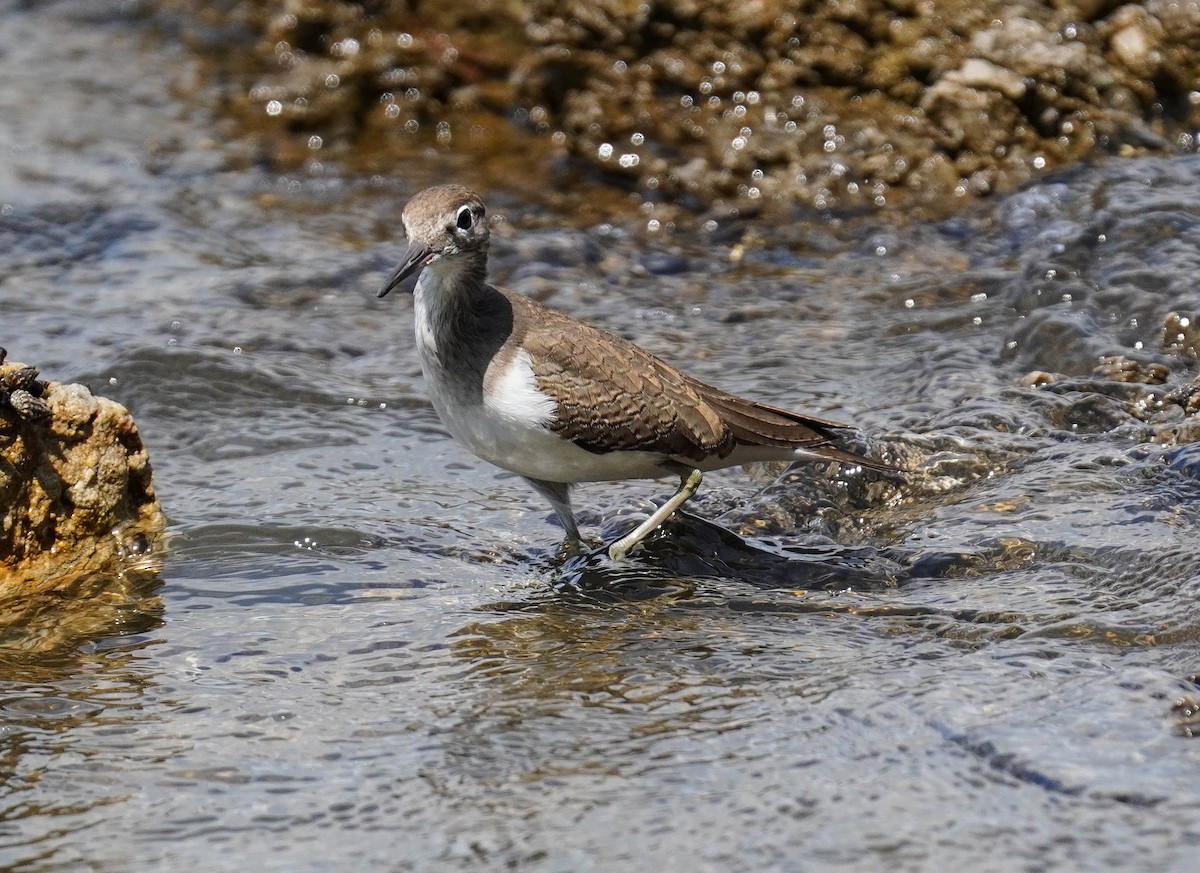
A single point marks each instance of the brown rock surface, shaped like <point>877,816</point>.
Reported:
<point>80,529</point>
<point>735,102</point>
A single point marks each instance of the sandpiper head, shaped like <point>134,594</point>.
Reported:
<point>440,222</point>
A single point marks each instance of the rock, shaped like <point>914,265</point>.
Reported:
<point>81,529</point>
<point>721,103</point>
<point>1181,334</point>
<point>1030,49</point>
<point>1123,390</point>
<point>978,73</point>
<point>1119,368</point>
<point>1135,35</point>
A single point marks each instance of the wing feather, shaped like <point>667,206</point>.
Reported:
<point>610,396</point>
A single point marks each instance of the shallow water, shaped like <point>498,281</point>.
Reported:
<point>363,655</point>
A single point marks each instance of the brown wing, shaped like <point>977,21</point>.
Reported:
<point>615,396</point>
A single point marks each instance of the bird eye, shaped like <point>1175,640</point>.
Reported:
<point>465,218</point>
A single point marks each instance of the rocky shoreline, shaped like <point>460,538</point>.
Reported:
<point>718,104</point>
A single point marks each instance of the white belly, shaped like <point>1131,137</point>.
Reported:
<point>510,429</point>
<point>540,454</point>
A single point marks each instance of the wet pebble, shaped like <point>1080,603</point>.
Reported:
<point>664,263</point>
<point>561,248</point>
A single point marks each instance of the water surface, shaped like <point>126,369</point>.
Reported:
<point>362,654</point>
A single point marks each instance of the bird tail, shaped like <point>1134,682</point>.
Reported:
<point>753,424</point>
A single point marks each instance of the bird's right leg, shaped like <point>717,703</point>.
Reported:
<point>559,496</point>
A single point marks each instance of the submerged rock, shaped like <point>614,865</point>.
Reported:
<point>79,517</point>
<point>1162,395</point>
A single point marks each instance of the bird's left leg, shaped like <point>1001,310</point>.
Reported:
<point>689,481</point>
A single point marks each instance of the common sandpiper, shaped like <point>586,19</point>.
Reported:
<point>559,402</point>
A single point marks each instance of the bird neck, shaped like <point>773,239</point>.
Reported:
<point>453,305</point>
<point>453,281</point>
